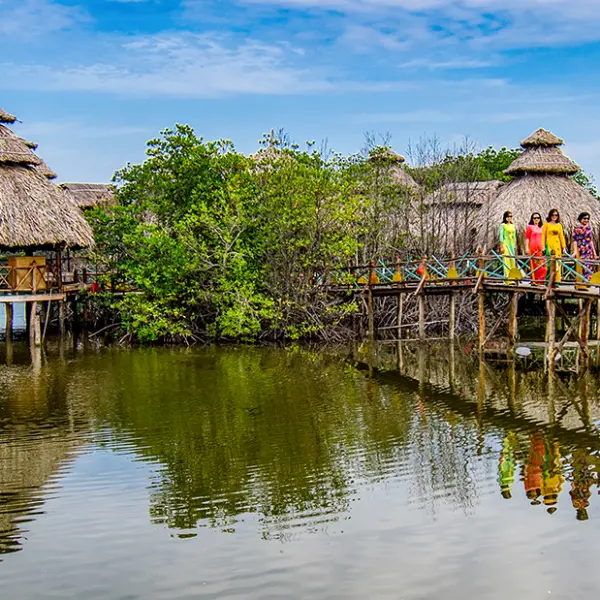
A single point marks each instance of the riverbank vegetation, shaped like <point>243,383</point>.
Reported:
<point>223,245</point>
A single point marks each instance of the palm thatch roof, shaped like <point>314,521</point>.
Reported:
<point>89,195</point>
<point>542,181</point>
<point>35,213</point>
<point>472,193</point>
<point>385,157</point>
<point>46,171</point>
<point>6,118</point>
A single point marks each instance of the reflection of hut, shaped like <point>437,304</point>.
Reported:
<point>89,195</point>
<point>34,213</point>
<point>542,181</point>
<point>450,212</point>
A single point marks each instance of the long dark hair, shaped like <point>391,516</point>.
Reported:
<point>549,218</point>
<point>535,214</point>
<point>505,216</point>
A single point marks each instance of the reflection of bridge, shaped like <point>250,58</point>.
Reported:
<point>568,278</point>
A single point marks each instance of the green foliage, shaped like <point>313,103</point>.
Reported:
<point>222,245</point>
<point>587,182</point>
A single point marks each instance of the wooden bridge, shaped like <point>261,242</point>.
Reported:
<point>568,278</point>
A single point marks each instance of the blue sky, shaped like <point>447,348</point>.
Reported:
<point>92,80</point>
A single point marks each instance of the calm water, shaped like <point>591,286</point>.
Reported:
<point>270,473</point>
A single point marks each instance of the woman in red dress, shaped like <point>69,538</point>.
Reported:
<point>534,248</point>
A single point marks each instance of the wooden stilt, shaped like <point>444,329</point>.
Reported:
<point>452,318</point>
<point>551,334</point>
<point>421,316</point>
<point>371,332</point>
<point>9,307</point>
<point>481,300</point>
<point>400,316</point>
<point>370,302</point>
<point>35,333</point>
<point>584,333</point>
<point>62,317</point>
<point>512,321</point>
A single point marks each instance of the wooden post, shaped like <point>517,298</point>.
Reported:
<point>35,329</point>
<point>512,321</point>
<point>421,316</point>
<point>400,305</point>
<point>370,303</point>
<point>584,333</point>
<point>400,315</point>
<point>551,308</point>
<point>452,320</point>
<point>481,302</point>
<point>61,317</point>
<point>9,307</point>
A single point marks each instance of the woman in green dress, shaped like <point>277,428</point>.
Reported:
<point>508,242</point>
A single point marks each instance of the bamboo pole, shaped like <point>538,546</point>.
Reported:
<point>421,317</point>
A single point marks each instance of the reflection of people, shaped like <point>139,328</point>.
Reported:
<point>552,478</point>
<point>535,248</point>
<point>508,242</point>
<point>506,468</point>
<point>583,479</point>
<point>553,238</point>
<point>533,470</point>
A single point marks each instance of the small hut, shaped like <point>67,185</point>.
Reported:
<point>542,181</point>
<point>449,214</point>
<point>34,213</point>
<point>89,195</point>
<point>385,157</point>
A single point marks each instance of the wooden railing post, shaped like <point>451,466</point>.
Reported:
<point>400,302</point>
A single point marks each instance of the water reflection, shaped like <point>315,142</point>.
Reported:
<point>293,436</point>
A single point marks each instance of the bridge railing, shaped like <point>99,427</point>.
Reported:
<point>570,271</point>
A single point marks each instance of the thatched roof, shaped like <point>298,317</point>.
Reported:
<point>474,193</point>
<point>542,137</point>
<point>386,158</point>
<point>6,118</point>
<point>89,195</point>
<point>14,150</point>
<point>34,213</point>
<point>46,171</point>
<point>542,182</point>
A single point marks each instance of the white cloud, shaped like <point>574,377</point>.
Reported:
<point>500,23</point>
<point>29,18</point>
<point>177,64</point>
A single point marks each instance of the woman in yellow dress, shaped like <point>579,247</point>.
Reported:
<point>553,238</point>
<point>508,242</point>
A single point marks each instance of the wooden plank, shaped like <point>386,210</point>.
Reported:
<point>6,299</point>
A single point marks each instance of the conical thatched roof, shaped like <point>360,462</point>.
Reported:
<point>89,195</point>
<point>46,171</point>
<point>475,193</point>
<point>34,213</point>
<point>542,182</point>
<point>385,157</point>
<point>6,118</point>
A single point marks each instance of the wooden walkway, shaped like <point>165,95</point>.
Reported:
<point>567,278</point>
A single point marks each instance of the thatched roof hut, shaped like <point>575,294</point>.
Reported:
<point>542,181</point>
<point>385,157</point>
<point>34,213</point>
<point>89,195</point>
<point>470,193</point>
